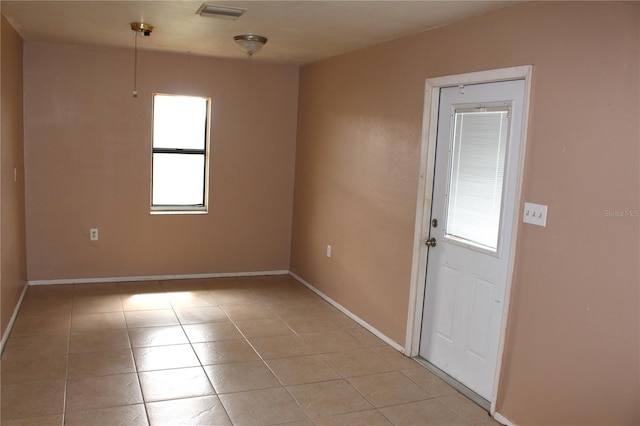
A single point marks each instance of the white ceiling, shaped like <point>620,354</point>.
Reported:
<point>299,32</point>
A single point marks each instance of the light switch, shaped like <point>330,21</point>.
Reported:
<point>535,214</point>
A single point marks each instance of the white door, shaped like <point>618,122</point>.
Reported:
<point>472,216</point>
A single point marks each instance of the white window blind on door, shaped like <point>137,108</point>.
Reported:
<point>476,176</point>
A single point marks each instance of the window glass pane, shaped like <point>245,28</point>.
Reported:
<point>178,179</point>
<point>179,122</point>
<point>476,177</point>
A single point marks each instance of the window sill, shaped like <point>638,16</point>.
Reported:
<point>173,212</point>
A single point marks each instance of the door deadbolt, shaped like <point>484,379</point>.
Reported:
<point>434,223</point>
<point>431,242</point>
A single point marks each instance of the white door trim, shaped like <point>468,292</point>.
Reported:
<point>423,206</point>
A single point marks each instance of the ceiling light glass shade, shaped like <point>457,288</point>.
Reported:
<point>250,44</point>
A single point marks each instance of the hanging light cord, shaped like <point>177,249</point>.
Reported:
<point>135,65</point>
<point>145,29</point>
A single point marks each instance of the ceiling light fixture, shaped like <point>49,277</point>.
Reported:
<point>220,12</point>
<point>144,29</point>
<point>140,27</point>
<point>250,43</point>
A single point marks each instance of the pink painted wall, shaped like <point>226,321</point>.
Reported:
<point>13,261</point>
<point>572,353</point>
<point>88,159</point>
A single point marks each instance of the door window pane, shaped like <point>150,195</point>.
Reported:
<point>476,176</point>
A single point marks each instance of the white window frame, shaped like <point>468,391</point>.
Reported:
<point>180,208</point>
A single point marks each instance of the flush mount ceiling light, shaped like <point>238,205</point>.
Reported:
<point>250,43</point>
<point>144,29</point>
<point>220,12</point>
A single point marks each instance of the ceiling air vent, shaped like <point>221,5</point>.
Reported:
<point>220,12</point>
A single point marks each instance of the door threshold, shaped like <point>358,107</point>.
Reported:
<point>474,397</point>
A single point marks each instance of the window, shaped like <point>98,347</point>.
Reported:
<point>476,181</point>
<point>180,153</point>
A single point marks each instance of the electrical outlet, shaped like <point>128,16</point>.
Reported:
<point>535,214</point>
<point>93,234</point>
<point>329,251</point>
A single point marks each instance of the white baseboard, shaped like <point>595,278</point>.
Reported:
<point>155,277</point>
<point>12,320</point>
<point>351,315</point>
<point>502,419</point>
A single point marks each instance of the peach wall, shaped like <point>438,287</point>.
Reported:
<point>87,147</point>
<point>356,183</point>
<point>572,353</point>
<point>13,266</point>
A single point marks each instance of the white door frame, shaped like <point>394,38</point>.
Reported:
<point>425,194</point>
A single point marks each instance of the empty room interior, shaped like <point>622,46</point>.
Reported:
<point>308,282</point>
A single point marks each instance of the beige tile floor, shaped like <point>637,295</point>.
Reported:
<point>241,351</point>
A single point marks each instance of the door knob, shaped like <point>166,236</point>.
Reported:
<point>431,242</point>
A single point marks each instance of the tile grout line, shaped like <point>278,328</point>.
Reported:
<point>321,355</point>
<point>215,392</point>
<point>133,357</point>
<point>66,373</point>
<point>264,362</point>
